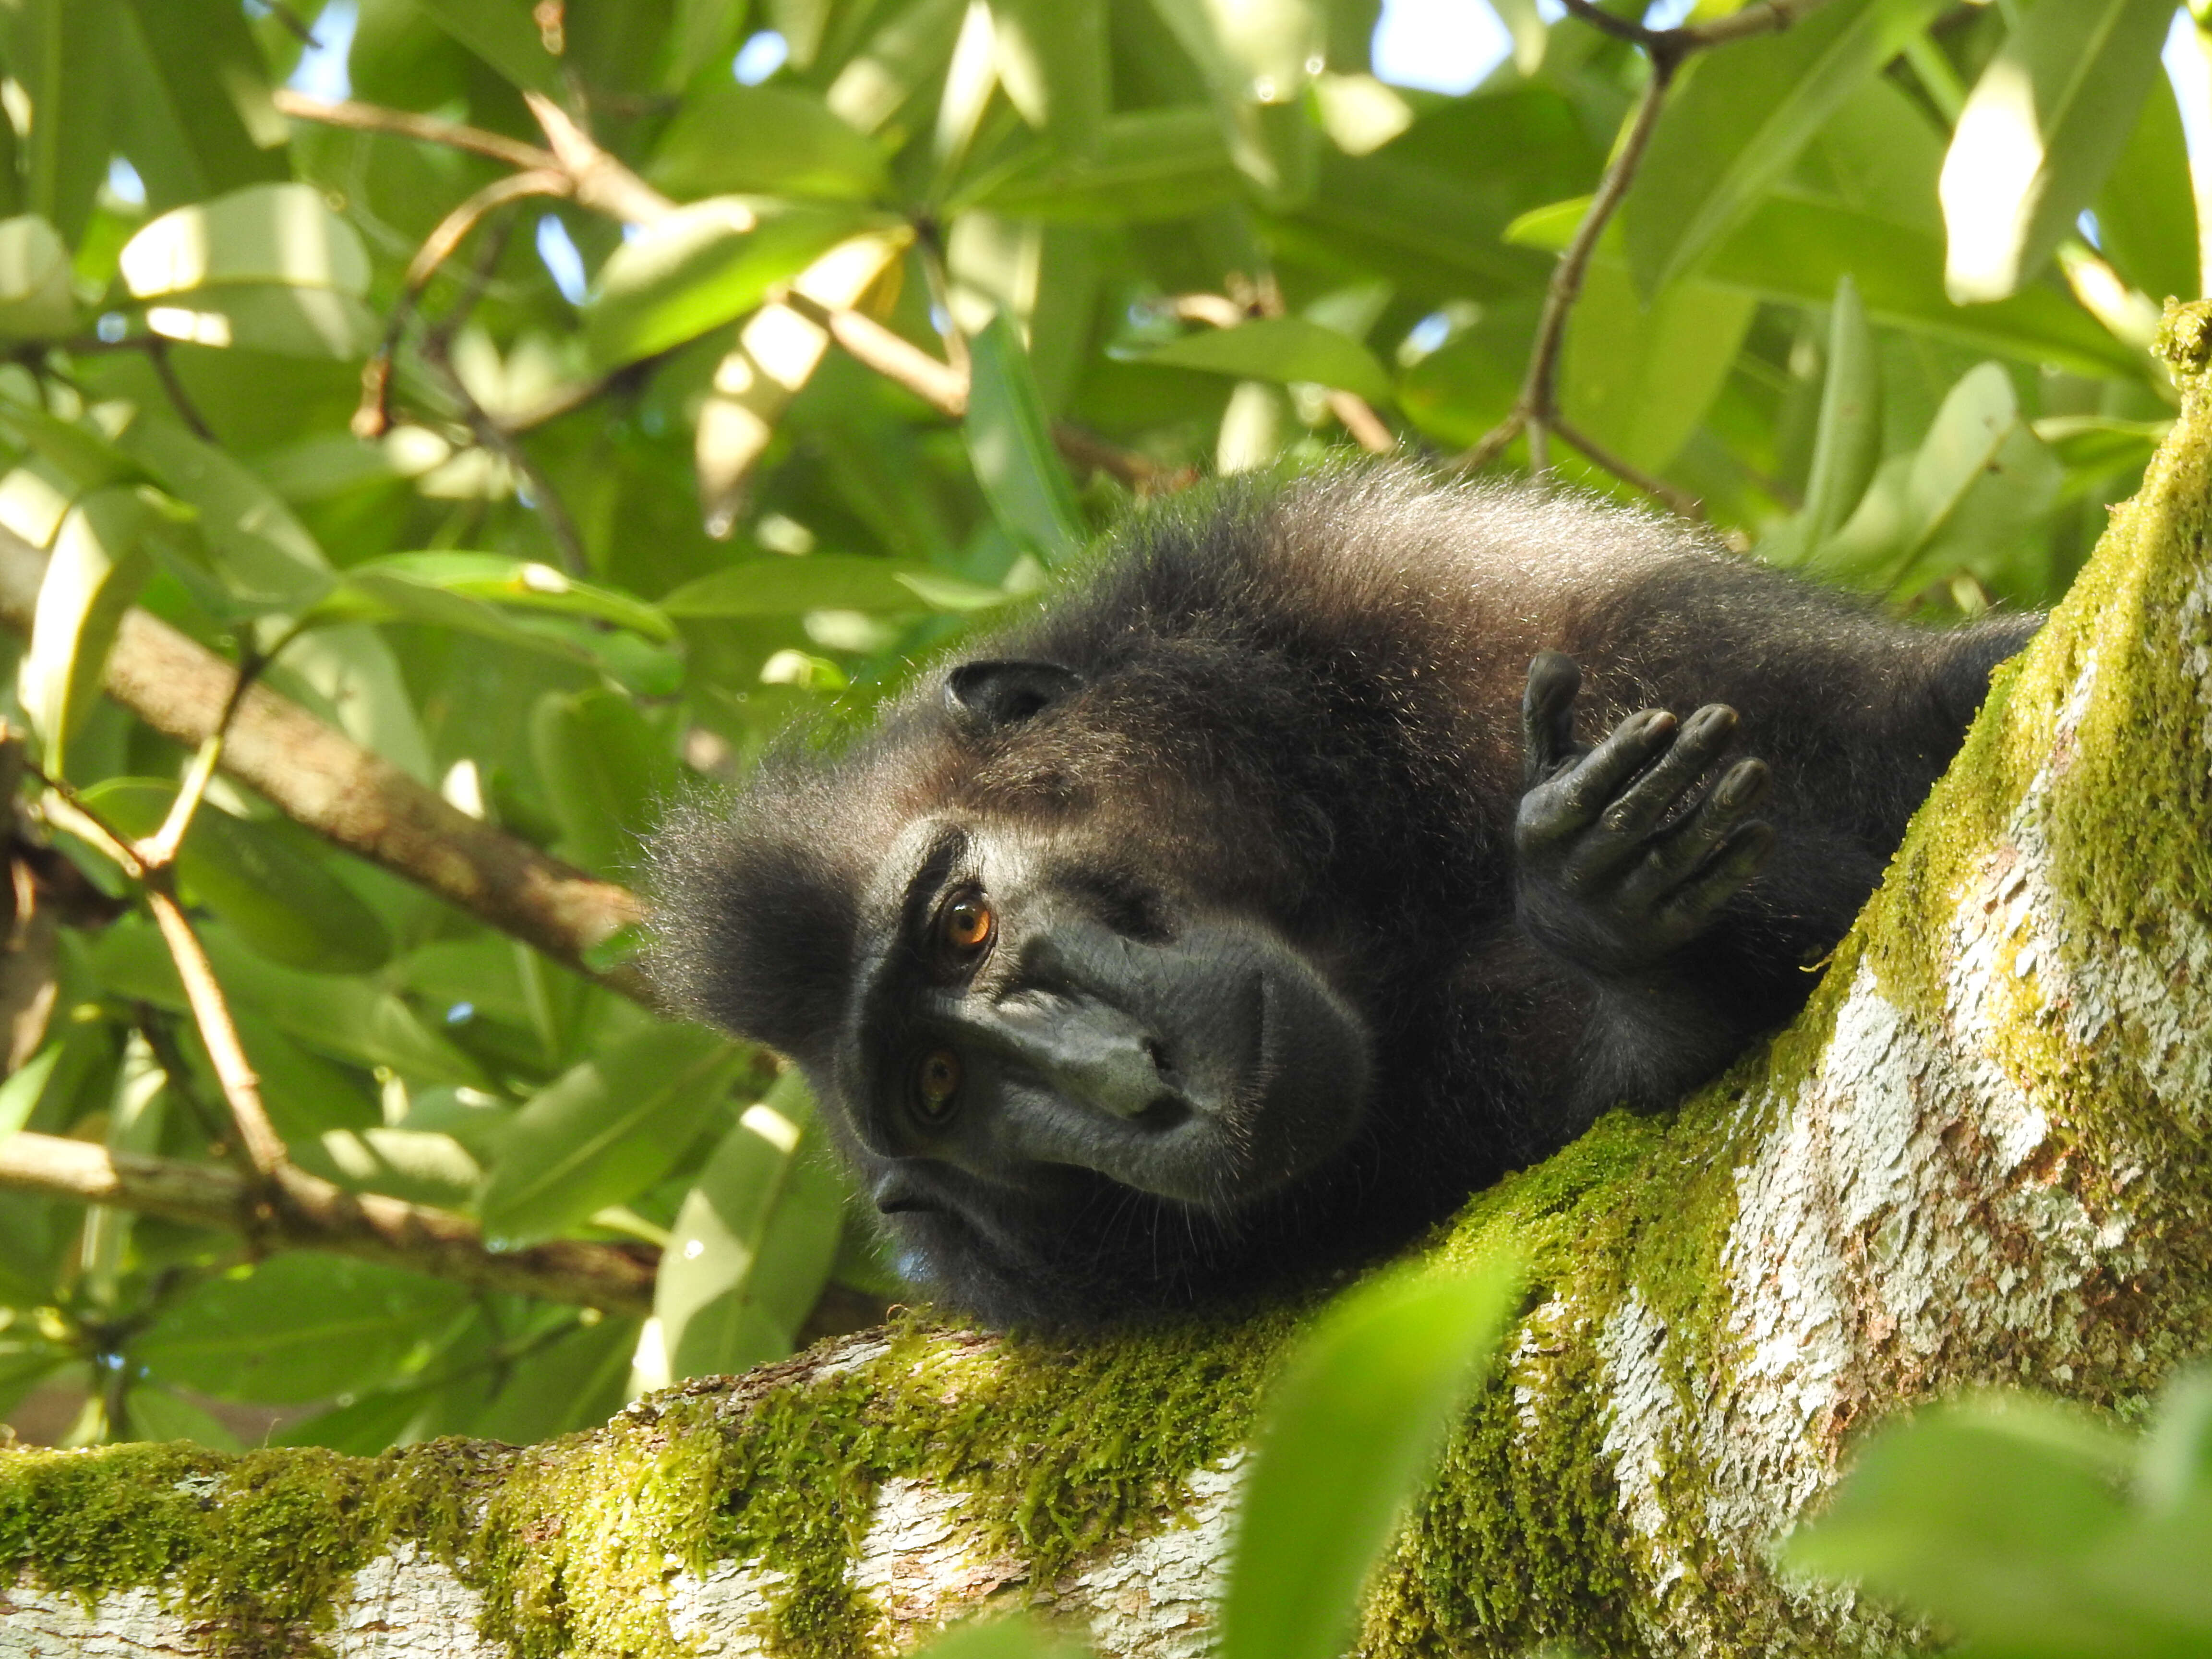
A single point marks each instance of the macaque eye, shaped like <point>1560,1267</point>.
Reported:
<point>936,1082</point>
<point>968,923</point>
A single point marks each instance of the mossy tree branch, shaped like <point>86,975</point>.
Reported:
<point>1980,1157</point>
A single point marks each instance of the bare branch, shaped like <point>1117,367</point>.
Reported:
<point>1536,412</point>
<point>406,124</point>
<point>1360,420</point>
<point>241,1083</point>
<point>305,1212</point>
<point>602,183</point>
<point>892,356</point>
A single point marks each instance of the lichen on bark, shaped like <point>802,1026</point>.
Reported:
<point>1979,1156</point>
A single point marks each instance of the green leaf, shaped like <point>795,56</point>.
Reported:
<point>263,554</point>
<point>206,122</point>
<point>577,1383</point>
<point>1010,446</point>
<point>347,1018</point>
<point>36,299</point>
<point>1795,248</point>
<point>1639,380</point>
<point>1052,59</point>
<point>734,138</point>
<point>455,591</point>
<point>288,321</point>
<point>1847,445</point>
<point>752,1246</point>
<point>99,564</point>
<point>524,584</point>
<point>1964,500</point>
<point>264,233</point>
<point>24,1088</point>
<point>1977,1512</point>
<point>604,1131</point>
<point>296,1327</point>
<point>1736,126</point>
<point>62,53</point>
<point>2147,212</point>
<point>502,33</point>
<point>281,900</point>
<point>2095,443</point>
<point>1348,1431</point>
<point>1147,165</point>
<point>607,771</point>
<point>701,266</point>
<point>2040,131</point>
<point>1282,350</point>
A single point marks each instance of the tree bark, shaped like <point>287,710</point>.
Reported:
<point>1980,1157</point>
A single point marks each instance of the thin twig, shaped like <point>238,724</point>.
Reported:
<point>157,353</point>
<point>406,123</point>
<point>241,1083</point>
<point>568,542</point>
<point>241,1086</point>
<point>602,183</point>
<point>293,24</point>
<point>374,418</point>
<point>1535,412</point>
<point>159,850</point>
<point>1677,499</point>
<point>892,356</point>
<point>945,389</point>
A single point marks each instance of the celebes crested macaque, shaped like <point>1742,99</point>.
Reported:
<point>1318,853</point>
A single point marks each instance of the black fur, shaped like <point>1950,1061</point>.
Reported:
<point>1271,740</point>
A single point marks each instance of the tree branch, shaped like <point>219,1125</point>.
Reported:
<point>323,780</point>
<point>1537,410</point>
<point>305,1212</point>
<point>406,124</point>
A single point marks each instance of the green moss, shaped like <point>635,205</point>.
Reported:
<point>255,1548</point>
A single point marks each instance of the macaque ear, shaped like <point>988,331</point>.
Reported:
<point>985,695</point>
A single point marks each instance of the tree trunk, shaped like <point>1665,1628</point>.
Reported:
<point>1979,1158</point>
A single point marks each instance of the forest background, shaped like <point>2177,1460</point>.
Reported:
<point>449,429</point>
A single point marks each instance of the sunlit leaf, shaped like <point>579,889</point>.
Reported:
<point>36,301</point>
<point>703,266</point>
<point>100,562</point>
<point>297,1327</point>
<point>2041,128</point>
<point>503,32</point>
<point>347,1017</point>
<point>607,771</point>
<point>1736,127</point>
<point>1639,380</point>
<point>524,584</point>
<point>751,1247</point>
<point>1847,446</point>
<point>280,233</point>
<point>1051,58</point>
